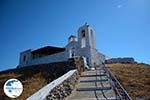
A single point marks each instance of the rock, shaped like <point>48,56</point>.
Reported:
<point>64,89</point>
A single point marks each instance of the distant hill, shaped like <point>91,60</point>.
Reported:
<point>37,76</point>
<point>135,78</point>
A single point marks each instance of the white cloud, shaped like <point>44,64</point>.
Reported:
<point>119,6</point>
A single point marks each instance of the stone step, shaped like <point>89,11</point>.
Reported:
<point>92,75</point>
<point>113,98</point>
<point>102,80</point>
<point>94,89</point>
<point>100,69</point>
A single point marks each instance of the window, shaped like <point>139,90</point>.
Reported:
<point>83,39</point>
<point>73,54</point>
<point>24,58</point>
<point>83,33</point>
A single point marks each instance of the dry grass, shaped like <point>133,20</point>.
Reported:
<point>33,78</point>
<point>31,85</point>
<point>134,77</point>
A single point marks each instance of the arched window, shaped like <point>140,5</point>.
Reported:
<point>24,58</point>
<point>83,39</point>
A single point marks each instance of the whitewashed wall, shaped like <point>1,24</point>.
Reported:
<point>97,57</point>
<point>62,56</point>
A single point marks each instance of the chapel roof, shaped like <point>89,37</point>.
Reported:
<point>48,50</point>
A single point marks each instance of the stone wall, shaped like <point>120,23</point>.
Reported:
<point>62,86</point>
<point>78,64</point>
<point>63,90</point>
<point>120,60</point>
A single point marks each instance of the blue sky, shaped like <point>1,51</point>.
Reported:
<point>122,26</point>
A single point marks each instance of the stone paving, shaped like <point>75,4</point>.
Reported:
<point>93,85</point>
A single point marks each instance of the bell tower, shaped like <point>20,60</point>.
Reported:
<point>86,36</point>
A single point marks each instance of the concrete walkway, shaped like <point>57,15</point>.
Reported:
<point>93,85</point>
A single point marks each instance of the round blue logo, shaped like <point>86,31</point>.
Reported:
<point>13,88</point>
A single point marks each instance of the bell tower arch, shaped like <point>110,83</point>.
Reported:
<point>86,36</point>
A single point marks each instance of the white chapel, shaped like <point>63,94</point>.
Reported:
<point>82,45</point>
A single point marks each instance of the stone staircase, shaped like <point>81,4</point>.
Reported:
<point>93,85</point>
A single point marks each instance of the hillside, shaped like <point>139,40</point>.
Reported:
<point>135,78</point>
<point>35,77</point>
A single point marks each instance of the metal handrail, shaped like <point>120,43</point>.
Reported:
<point>117,86</point>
